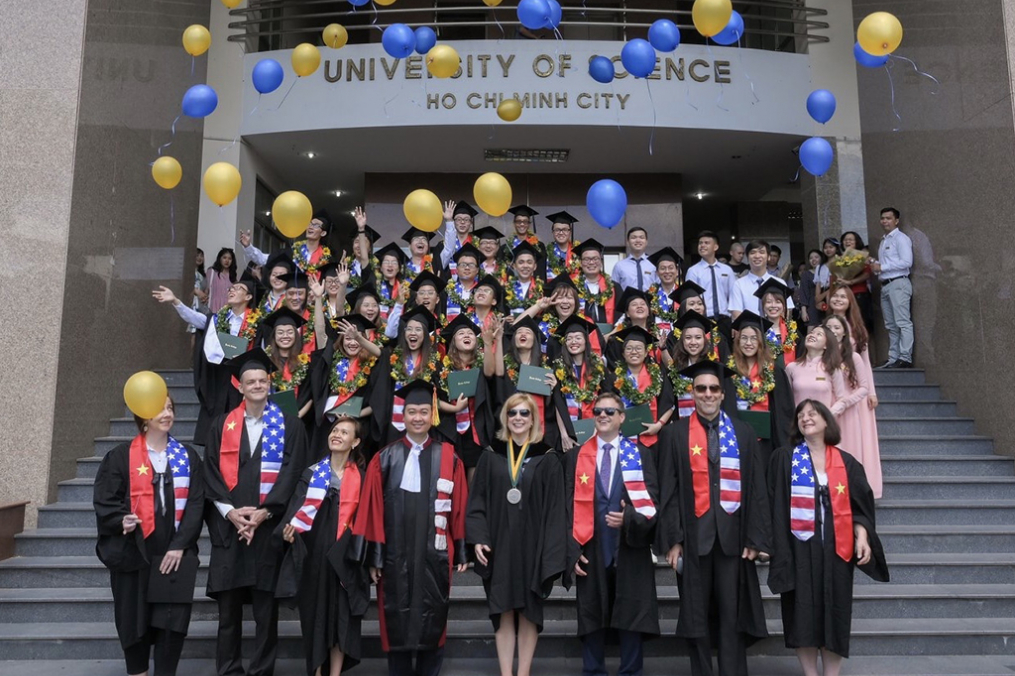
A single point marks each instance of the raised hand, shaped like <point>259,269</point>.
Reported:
<point>449,210</point>
<point>343,272</point>
<point>245,238</point>
<point>361,218</point>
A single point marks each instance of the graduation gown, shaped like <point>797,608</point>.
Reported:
<point>382,400</point>
<point>815,583</point>
<point>129,557</point>
<point>395,532</point>
<point>504,387</point>
<point>235,564</point>
<point>213,384</point>
<point>528,540</point>
<point>483,422</point>
<point>749,526</point>
<point>780,407</point>
<point>634,606</point>
<point>320,389</point>
<point>555,346</point>
<point>331,591</point>
<point>600,314</point>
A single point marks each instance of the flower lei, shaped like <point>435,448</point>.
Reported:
<point>410,273</point>
<point>511,368</point>
<point>557,263</point>
<point>399,374</point>
<point>599,298</point>
<point>781,347</point>
<point>570,385</point>
<point>355,281</point>
<point>668,316</point>
<point>753,391</point>
<point>248,333</point>
<point>278,381</point>
<point>513,299</point>
<point>681,384</point>
<point>455,296</point>
<point>552,321</point>
<point>344,387</point>
<point>629,392</point>
<point>301,256</point>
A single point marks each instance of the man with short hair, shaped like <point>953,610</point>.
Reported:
<point>736,261</point>
<point>459,219</point>
<point>715,523</point>
<point>636,270</point>
<point>596,291</point>
<point>612,498</point>
<point>307,254</point>
<point>743,298</point>
<point>253,458</point>
<point>716,278</point>
<point>560,255</point>
<point>774,269</point>
<point>895,261</point>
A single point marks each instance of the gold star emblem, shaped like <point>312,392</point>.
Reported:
<point>841,489</point>
<point>231,426</point>
<point>696,450</point>
<point>585,478</point>
<point>142,470</point>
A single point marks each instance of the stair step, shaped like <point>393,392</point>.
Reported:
<point>103,445</point>
<point>932,426</point>
<point>907,392</point>
<point>900,409</point>
<point>945,487</point>
<point>943,465</point>
<point>182,427</point>
<point>177,377</point>
<point>945,512</point>
<point>951,445</point>
<point>890,377</point>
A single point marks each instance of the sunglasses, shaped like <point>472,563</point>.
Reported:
<point>516,412</point>
<point>702,389</point>
<point>597,411</point>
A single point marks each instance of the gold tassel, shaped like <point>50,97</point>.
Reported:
<point>435,419</point>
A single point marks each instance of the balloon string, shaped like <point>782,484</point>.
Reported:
<point>172,136</point>
<point>687,94</point>
<point>584,7</point>
<point>192,60</point>
<point>286,94</point>
<point>891,86</point>
<point>613,92</point>
<point>172,220</point>
<point>652,135</point>
<point>796,176</point>
<point>374,22</point>
<point>740,55</point>
<point>259,95</point>
<point>919,72</point>
<point>503,33</point>
<point>708,48</point>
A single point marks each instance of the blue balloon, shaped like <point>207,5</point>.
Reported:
<point>638,57</point>
<point>816,155</point>
<point>358,3</point>
<point>267,76</point>
<point>425,39</point>
<point>533,14</point>
<point>606,202</point>
<point>664,35</point>
<point>733,32</point>
<point>866,59</point>
<point>821,105</point>
<point>601,69</point>
<point>399,41</point>
<point>555,14</point>
<point>200,101</point>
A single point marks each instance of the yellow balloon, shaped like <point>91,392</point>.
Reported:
<point>335,35</point>
<point>222,182</point>
<point>493,193</point>
<point>879,33</point>
<point>145,394</point>
<point>167,172</point>
<point>292,212</point>
<point>196,40</point>
<point>423,210</point>
<point>384,3</point>
<point>306,59</point>
<point>442,61</point>
<point>509,110</point>
<point>491,3</point>
<point>711,16</point>
<point>231,3</point>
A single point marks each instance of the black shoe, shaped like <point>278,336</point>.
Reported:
<point>887,365</point>
<point>903,364</point>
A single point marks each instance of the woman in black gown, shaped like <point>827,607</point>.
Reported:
<point>147,541</point>
<point>332,591</point>
<point>822,526</point>
<point>516,524</point>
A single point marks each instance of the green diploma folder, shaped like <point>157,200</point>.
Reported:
<point>605,329</point>
<point>634,417</point>
<point>584,429</point>
<point>232,346</point>
<point>287,402</point>
<point>463,382</point>
<point>761,421</point>
<point>350,407</point>
<point>532,379</point>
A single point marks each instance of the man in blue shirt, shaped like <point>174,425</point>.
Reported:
<point>895,260</point>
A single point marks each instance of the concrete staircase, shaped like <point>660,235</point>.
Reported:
<point>947,521</point>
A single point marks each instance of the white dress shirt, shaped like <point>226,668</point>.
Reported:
<point>255,426</point>
<point>743,297</point>
<point>895,254</point>
<point>612,459</point>
<point>701,274</point>
<point>200,320</point>
<point>625,272</point>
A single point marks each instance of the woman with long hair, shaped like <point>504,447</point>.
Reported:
<point>783,336</point>
<point>692,346</point>
<point>691,298</point>
<point>516,524</point>
<point>581,375</point>
<point>637,311</point>
<point>639,381</point>
<point>842,303</point>
<point>221,276</point>
<point>284,347</point>
<point>149,511</point>
<point>560,300</point>
<point>860,285</point>
<point>388,277</point>
<point>331,590</point>
<point>200,300</point>
<point>816,264</point>
<point>819,375</point>
<point>823,526</point>
<point>823,276</point>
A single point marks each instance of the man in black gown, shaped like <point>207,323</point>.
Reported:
<point>253,459</point>
<point>715,524</point>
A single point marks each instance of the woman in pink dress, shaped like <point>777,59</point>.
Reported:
<point>817,375</point>
<point>858,439</point>
<point>842,303</point>
<point>221,276</point>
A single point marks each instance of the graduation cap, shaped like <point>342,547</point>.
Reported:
<point>278,259</point>
<point>253,286</point>
<point>491,282</point>
<point>526,248</point>
<point>529,323</point>
<point>366,290</point>
<point>559,281</point>
<point>633,293</point>
<point>707,367</point>
<point>562,217</point>
<point>328,270</point>
<point>772,285</point>
<point>466,209</point>
<point>636,333</point>
<point>283,317</point>
<point>359,321</point>
<point>324,218</point>
<point>469,250</point>
<point>371,234</point>
<point>589,245</point>
<point>667,253</point>
<point>251,360</point>
<point>748,318</point>
<point>424,278</point>
<point>486,232</point>
<point>573,324</point>
<point>523,210</point>
<point>297,279</point>
<point>692,319</point>
<point>413,233</point>
<point>458,323</point>
<point>686,290</point>
<point>420,314</point>
<point>417,392</point>
<point>391,250</point>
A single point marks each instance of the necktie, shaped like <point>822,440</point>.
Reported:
<point>713,444</point>
<point>760,311</point>
<point>637,263</point>
<point>157,481</point>
<point>606,471</point>
<point>410,474</point>
<point>715,293</point>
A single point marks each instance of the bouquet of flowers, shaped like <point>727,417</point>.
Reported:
<point>849,264</point>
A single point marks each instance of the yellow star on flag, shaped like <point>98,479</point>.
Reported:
<point>231,426</point>
<point>585,478</point>
<point>841,489</point>
<point>142,470</point>
<point>696,450</point>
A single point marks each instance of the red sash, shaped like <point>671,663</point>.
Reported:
<point>644,382</point>
<point>229,451</point>
<point>348,497</point>
<point>350,376</point>
<point>608,308</point>
<point>698,448</point>
<point>442,506</point>
<point>755,377</point>
<point>583,526</point>
<point>142,493</point>
<point>842,511</point>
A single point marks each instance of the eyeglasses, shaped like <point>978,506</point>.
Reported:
<point>713,389</point>
<point>590,259</point>
<point>597,411</point>
<point>519,221</point>
<point>241,288</point>
<point>748,339</point>
<point>561,231</point>
<point>463,219</point>
<point>516,412</point>
<point>470,264</point>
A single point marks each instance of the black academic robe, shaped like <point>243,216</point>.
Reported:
<point>600,314</point>
<point>780,407</point>
<point>382,400</point>
<point>815,583</point>
<point>235,564</point>
<point>320,389</point>
<point>331,591</point>
<point>395,532</point>
<point>553,404</point>
<point>213,384</point>
<point>527,540</point>
<point>749,526</point>
<point>466,446</point>
<point>129,557</point>
<point>606,385</point>
<point>634,606</point>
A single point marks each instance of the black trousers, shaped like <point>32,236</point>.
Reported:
<point>720,576</point>
<point>168,647</point>
<point>428,662</point>
<point>594,643</point>
<point>229,648</point>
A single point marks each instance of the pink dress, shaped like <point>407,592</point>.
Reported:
<point>810,380</point>
<point>218,289</point>
<point>869,452</point>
